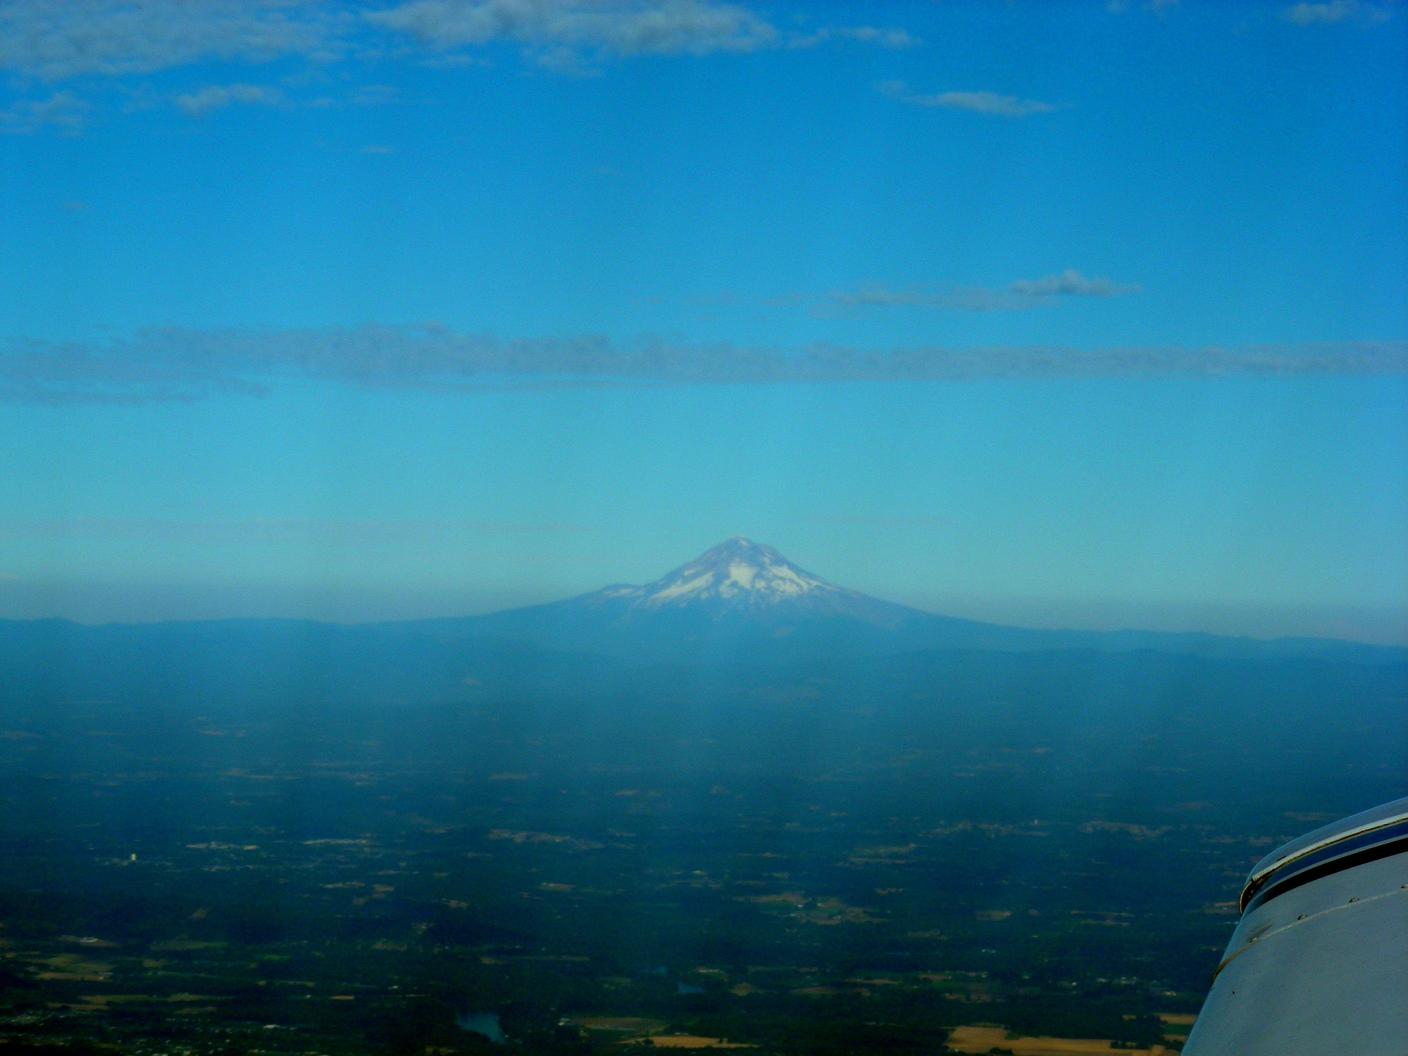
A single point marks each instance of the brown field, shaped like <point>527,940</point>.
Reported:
<point>74,968</point>
<point>1177,1025</point>
<point>691,1041</point>
<point>984,1039</point>
<point>622,1024</point>
<point>831,911</point>
<point>179,945</point>
<point>781,898</point>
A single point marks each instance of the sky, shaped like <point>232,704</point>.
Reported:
<point>1056,314</point>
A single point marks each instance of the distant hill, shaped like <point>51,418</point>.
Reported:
<point>745,600</point>
<point>740,604</point>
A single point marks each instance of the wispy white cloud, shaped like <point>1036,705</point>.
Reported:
<point>204,100</point>
<point>1335,11</point>
<point>920,523</point>
<point>63,112</point>
<point>274,530</point>
<point>555,32</point>
<point>1071,283</point>
<point>375,95</point>
<point>946,298</point>
<point>184,365</point>
<point>218,96</point>
<point>1024,293</point>
<point>53,41</point>
<point>1119,7</point>
<point>880,36</point>
<point>990,103</point>
<point>57,40</point>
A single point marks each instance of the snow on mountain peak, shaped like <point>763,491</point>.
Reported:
<point>736,572</point>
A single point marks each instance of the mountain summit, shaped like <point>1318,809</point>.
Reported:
<point>738,573</point>
<point>738,599</point>
<point>743,602</point>
<point>740,605</point>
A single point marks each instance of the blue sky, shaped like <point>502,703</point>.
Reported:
<point>1062,314</point>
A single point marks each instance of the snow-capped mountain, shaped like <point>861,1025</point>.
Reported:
<point>733,610</point>
<point>738,573</point>
<point>744,602</point>
<point>742,582</point>
<point>740,598</point>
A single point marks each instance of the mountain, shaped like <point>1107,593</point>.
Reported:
<point>739,605</point>
<point>738,600</point>
<point>743,600</point>
<point>741,578</point>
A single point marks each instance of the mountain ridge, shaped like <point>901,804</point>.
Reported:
<point>739,578</point>
<point>744,600</point>
<point>737,570</point>
<point>739,601</point>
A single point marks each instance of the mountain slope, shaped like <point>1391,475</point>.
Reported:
<point>738,603</point>
<point>739,598</point>
<point>743,600</point>
<point>743,579</point>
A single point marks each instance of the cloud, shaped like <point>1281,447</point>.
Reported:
<point>54,41</point>
<point>376,95</point>
<point>558,32</point>
<point>51,41</point>
<point>1071,283</point>
<point>172,364</point>
<point>62,111</point>
<point>1119,7</point>
<point>218,96</point>
<point>880,523</point>
<point>990,103</point>
<point>275,530</point>
<point>1024,293</point>
<point>1334,11</point>
<point>955,298</point>
<point>883,37</point>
